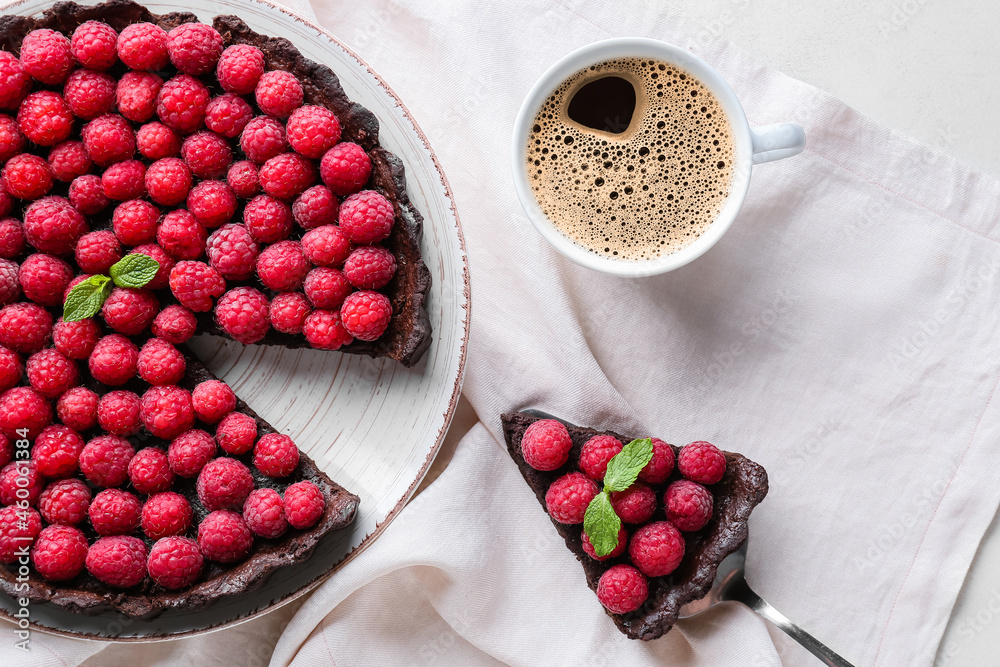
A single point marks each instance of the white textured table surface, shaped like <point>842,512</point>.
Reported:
<point>926,68</point>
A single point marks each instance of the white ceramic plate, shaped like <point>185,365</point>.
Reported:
<point>371,425</point>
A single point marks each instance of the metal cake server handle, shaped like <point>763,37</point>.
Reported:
<point>731,585</point>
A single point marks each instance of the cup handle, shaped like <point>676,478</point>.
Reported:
<point>777,141</point>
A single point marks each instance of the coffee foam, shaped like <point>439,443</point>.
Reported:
<point>643,193</point>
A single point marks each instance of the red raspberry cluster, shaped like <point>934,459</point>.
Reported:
<point>656,546</point>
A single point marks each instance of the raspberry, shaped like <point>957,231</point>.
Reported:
<point>65,502</point>
<point>97,251</point>
<point>26,176</point>
<point>278,93</point>
<point>263,511</point>
<point>10,376</point>
<point>93,45</point>
<point>267,219</point>
<point>635,504</point>
<point>228,114</point>
<point>282,267</point>
<point>86,193</point>
<point>175,324</point>
<point>114,512</point>
<point>287,175</point>
<point>59,552</point>
<point>113,360</point>
<point>660,466</point>
<point>104,460</point>
<point>130,311</point>
<point>14,81</point>
<point>328,246</point>
<point>568,497</point>
<point>175,562</point>
<point>313,130</point>
<point>242,313</point>
<point>689,505</point>
<point>77,408</point>
<point>181,235</point>
<point>366,217</point>
<point>124,180</point>
<point>108,139</point>
<point>223,536</point>
<point>327,288</point>
<point>182,103</point>
<point>165,262</point>
<point>622,589</point>
<point>224,483</point>
<point>304,504</point>
<point>212,203</point>
<point>168,181</point>
<point>160,363</point>
<point>213,400</point>
<point>236,433</point>
<point>11,238</point>
<point>242,178</point>
<point>68,161</point>
<point>19,481</point>
<point>276,455</point>
<point>207,154</point>
<point>701,462</point>
<point>149,471</point>
<point>239,69</point>
<point>657,549</point>
<point>18,530</point>
<point>315,207</point>
<point>156,141</point>
<point>546,444</point>
<point>167,413</point>
<point>46,56</point>
<point>6,200</point>
<point>345,168</point>
<point>196,285</point>
<point>366,314</point>
<point>23,408</point>
<point>324,330</point>
<point>77,339</point>
<point>11,140</point>
<point>51,374</point>
<point>10,288</point>
<point>118,561</point>
<point>136,95</point>
<point>52,225</point>
<point>617,551</point>
<point>262,139</point>
<point>596,453</point>
<point>134,223</point>
<point>118,413</point>
<point>143,46</point>
<point>194,48</point>
<point>288,312</point>
<point>232,252</point>
<point>190,451</point>
<point>166,514</point>
<point>44,118</point>
<point>24,327</point>
<point>370,267</point>
<point>89,94</point>
<point>44,278</point>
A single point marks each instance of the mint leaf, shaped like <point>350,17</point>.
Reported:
<point>602,524</point>
<point>134,270</point>
<point>627,464</point>
<point>86,299</point>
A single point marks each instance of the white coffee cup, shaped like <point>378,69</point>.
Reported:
<point>751,146</point>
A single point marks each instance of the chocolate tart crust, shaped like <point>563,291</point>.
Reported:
<point>741,489</point>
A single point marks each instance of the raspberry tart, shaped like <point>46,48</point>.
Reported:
<point>162,178</point>
<point>682,512</point>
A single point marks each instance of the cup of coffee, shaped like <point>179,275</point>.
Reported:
<point>632,156</point>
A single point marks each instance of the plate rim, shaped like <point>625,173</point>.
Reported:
<point>465,306</point>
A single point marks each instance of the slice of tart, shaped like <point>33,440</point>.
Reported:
<point>700,534</point>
